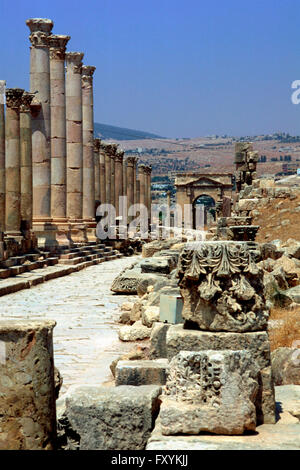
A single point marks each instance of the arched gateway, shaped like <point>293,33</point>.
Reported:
<point>194,189</point>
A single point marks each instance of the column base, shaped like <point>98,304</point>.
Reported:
<point>45,232</point>
<point>63,232</point>
<point>90,225</point>
<point>78,231</point>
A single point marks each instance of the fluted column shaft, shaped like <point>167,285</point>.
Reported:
<point>74,135</point>
<point>88,188</point>
<point>142,180</point>
<point>97,143</point>
<point>107,177</point>
<point>118,180</point>
<point>26,162</point>
<point>58,127</point>
<point>134,181</point>
<point>2,157</point>
<point>102,174</point>
<point>12,162</point>
<point>130,181</point>
<point>41,126</point>
<point>112,183</point>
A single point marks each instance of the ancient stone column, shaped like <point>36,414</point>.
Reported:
<point>40,30</point>
<point>88,187</point>
<point>57,44</point>
<point>142,180</point>
<point>27,393</point>
<point>148,171</point>
<point>134,181</point>
<point>2,157</point>
<point>12,162</point>
<point>112,183</point>
<point>74,135</point>
<point>26,164</point>
<point>107,175</point>
<point>97,143</point>
<point>124,167</point>
<point>102,173</point>
<point>118,180</point>
<point>130,181</point>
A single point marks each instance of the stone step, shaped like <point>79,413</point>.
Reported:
<point>68,255</point>
<point>33,256</point>
<point>5,273</point>
<point>15,270</point>
<point>72,261</point>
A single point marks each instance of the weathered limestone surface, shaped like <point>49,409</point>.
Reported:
<point>97,143</point>
<point>257,343</point>
<point>102,170</point>
<point>286,366</point>
<point>212,391</point>
<point>40,30</point>
<point>134,332</point>
<point>88,188</point>
<point>108,418</point>
<point>222,287</point>
<point>26,163</point>
<point>74,134</point>
<point>158,347</point>
<point>141,372</point>
<point>57,44</point>
<point>161,265</point>
<point>27,394</point>
<point>13,162</point>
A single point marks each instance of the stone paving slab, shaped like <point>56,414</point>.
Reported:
<point>86,311</point>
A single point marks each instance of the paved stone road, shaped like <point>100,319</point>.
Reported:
<point>85,337</point>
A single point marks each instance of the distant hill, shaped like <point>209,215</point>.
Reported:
<point>106,132</point>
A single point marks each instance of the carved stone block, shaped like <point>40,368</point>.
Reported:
<point>256,343</point>
<point>212,391</point>
<point>222,287</point>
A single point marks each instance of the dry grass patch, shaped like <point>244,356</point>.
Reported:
<point>284,327</point>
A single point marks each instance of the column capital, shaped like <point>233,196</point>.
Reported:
<point>142,168</point>
<point>111,149</point>
<point>14,97</point>
<point>148,169</point>
<point>97,144</point>
<point>57,45</point>
<point>131,161</point>
<point>75,59</point>
<point>119,156</point>
<point>40,29</point>
<point>26,101</point>
<point>87,74</point>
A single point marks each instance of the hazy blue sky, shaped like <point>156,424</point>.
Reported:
<point>174,67</point>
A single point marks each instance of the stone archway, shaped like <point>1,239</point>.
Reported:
<point>204,211</point>
<point>189,186</point>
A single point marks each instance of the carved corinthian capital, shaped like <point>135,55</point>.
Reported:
<point>74,61</point>
<point>58,44</point>
<point>119,156</point>
<point>222,287</point>
<point>14,97</point>
<point>97,143</point>
<point>26,102</point>
<point>40,29</point>
<point>87,75</point>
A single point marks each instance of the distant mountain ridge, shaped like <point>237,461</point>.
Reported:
<point>107,132</point>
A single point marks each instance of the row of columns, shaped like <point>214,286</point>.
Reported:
<point>117,176</point>
<point>52,170</point>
